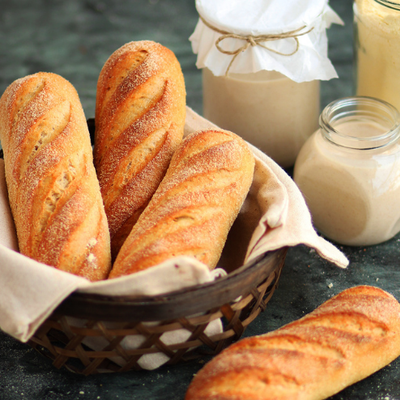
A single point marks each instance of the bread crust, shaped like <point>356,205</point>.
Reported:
<point>52,185</point>
<point>346,339</point>
<point>195,205</point>
<point>140,117</point>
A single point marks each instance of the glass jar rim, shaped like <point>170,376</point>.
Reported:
<point>390,4</point>
<point>356,107</point>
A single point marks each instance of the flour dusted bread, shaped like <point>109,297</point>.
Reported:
<point>343,341</point>
<point>195,205</point>
<point>52,186</point>
<point>140,117</point>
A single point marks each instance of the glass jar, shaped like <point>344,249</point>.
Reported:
<point>262,64</point>
<point>349,171</point>
<point>266,108</point>
<point>377,49</point>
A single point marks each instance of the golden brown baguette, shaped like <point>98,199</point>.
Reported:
<point>346,339</point>
<point>195,205</point>
<point>140,116</point>
<point>52,186</point>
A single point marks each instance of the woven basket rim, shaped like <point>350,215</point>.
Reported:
<point>183,302</point>
<point>69,342</point>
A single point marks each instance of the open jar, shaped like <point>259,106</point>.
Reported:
<point>377,49</point>
<point>262,62</point>
<point>349,171</point>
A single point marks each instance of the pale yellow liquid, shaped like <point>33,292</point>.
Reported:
<point>377,44</point>
<point>353,196</point>
<point>267,109</point>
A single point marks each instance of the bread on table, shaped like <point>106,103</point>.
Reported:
<point>346,339</point>
<point>52,186</point>
<point>140,117</point>
<point>195,205</point>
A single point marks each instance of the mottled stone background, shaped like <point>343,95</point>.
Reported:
<point>74,38</point>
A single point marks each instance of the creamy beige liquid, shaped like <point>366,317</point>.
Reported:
<point>353,195</point>
<point>377,45</point>
<point>359,129</point>
<point>267,109</point>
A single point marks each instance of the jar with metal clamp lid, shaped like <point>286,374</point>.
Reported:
<point>377,49</point>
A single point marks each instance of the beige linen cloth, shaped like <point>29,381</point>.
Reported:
<point>274,215</point>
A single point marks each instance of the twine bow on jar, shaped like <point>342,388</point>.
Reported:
<point>257,40</point>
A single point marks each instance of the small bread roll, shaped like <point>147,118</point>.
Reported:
<point>140,117</point>
<point>52,185</point>
<point>195,205</point>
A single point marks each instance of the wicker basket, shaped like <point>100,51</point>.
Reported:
<point>237,299</point>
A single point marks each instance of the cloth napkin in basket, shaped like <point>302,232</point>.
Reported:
<point>273,216</point>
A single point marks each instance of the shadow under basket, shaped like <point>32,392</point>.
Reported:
<point>237,299</point>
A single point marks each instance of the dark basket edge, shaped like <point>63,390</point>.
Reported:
<point>176,304</point>
<point>71,353</point>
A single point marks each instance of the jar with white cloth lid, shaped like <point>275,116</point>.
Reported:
<point>377,49</point>
<point>262,62</point>
<point>349,171</point>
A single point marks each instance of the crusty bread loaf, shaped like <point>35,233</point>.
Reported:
<point>343,341</point>
<point>53,190</point>
<point>195,205</point>
<point>140,117</point>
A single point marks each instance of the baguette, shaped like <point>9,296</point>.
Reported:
<point>140,117</point>
<point>52,186</point>
<point>346,339</point>
<point>195,205</point>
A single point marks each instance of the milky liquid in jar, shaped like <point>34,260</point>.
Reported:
<point>266,108</point>
<point>262,63</point>
<point>377,49</point>
<point>349,172</point>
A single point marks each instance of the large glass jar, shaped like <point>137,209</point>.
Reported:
<point>262,63</point>
<point>266,108</point>
<point>349,171</point>
<point>377,49</point>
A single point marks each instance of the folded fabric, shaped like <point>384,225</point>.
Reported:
<point>273,216</point>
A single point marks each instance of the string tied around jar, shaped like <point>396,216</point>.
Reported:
<point>256,40</point>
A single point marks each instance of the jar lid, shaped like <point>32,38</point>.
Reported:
<point>249,36</point>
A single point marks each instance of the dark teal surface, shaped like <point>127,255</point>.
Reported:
<point>74,38</point>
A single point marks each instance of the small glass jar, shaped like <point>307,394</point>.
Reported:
<point>349,171</point>
<point>266,108</point>
<point>377,49</point>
